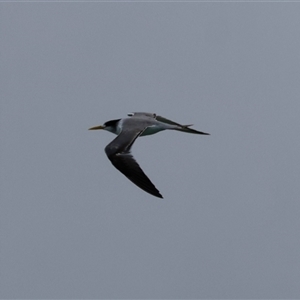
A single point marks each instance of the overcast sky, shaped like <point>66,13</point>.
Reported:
<point>72,226</point>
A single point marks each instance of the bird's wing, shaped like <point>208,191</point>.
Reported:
<point>167,121</point>
<point>142,114</point>
<point>118,152</point>
<point>184,128</point>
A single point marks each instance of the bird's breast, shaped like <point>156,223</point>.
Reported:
<point>151,130</point>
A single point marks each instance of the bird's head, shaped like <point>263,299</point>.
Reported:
<point>110,126</point>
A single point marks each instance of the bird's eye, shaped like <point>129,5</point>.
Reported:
<point>130,114</point>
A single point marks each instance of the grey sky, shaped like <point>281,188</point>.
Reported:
<point>72,226</point>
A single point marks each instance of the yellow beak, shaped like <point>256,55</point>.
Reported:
<point>97,127</point>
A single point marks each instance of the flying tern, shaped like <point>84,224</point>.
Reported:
<point>128,130</point>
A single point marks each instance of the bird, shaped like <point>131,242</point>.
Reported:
<point>128,129</point>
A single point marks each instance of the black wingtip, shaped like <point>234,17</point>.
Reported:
<point>153,192</point>
<point>200,132</point>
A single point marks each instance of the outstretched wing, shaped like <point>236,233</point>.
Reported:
<point>167,121</point>
<point>184,128</point>
<point>118,152</point>
<point>141,114</point>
